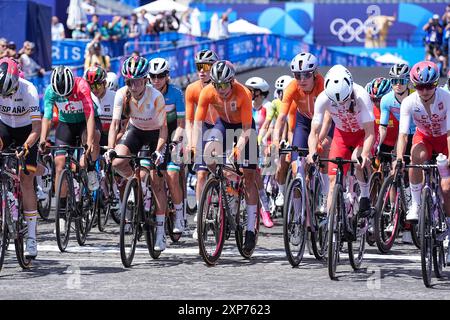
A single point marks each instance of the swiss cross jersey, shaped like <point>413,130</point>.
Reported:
<point>149,113</point>
<point>390,106</point>
<point>392,127</point>
<point>104,108</point>
<point>304,101</point>
<point>174,100</point>
<point>435,124</point>
<point>259,115</point>
<point>72,109</point>
<point>22,107</point>
<point>344,118</point>
<point>235,109</point>
<point>192,96</point>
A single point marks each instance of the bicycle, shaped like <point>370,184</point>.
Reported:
<point>79,205</point>
<point>12,224</point>
<point>304,190</point>
<point>44,205</point>
<point>391,209</point>
<point>433,228</point>
<point>344,223</point>
<point>216,219</point>
<point>134,220</point>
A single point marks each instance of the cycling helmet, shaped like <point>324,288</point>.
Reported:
<point>206,56</point>
<point>159,65</point>
<point>378,87</point>
<point>304,62</point>
<point>399,71</point>
<point>135,68</point>
<point>95,74</point>
<point>62,80</point>
<point>222,71</point>
<point>338,84</point>
<point>257,83</point>
<point>9,76</point>
<point>111,81</point>
<point>424,72</point>
<point>282,82</point>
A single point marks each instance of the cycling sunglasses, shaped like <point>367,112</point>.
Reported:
<point>96,85</point>
<point>303,75</point>
<point>428,86</point>
<point>203,66</point>
<point>223,85</point>
<point>399,81</point>
<point>158,76</point>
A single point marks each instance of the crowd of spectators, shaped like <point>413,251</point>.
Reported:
<point>437,39</point>
<point>24,57</point>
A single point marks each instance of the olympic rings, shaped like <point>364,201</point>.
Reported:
<point>352,30</point>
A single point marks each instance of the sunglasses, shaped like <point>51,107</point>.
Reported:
<point>303,75</point>
<point>203,66</point>
<point>97,85</point>
<point>158,76</point>
<point>428,86</point>
<point>256,94</point>
<point>223,85</point>
<point>399,81</point>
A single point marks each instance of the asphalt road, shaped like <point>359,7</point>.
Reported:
<point>95,271</point>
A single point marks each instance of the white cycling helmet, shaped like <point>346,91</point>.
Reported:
<point>282,82</point>
<point>158,65</point>
<point>338,83</point>
<point>257,83</point>
<point>304,62</point>
<point>62,81</point>
<point>112,82</point>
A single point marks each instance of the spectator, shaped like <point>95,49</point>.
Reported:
<point>29,67</point>
<point>446,26</point>
<point>433,39</point>
<point>105,31</point>
<point>93,27</point>
<point>185,26</point>
<point>58,32</point>
<point>172,22</point>
<point>158,25</point>
<point>377,30</point>
<point>80,32</point>
<point>223,26</point>
<point>143,21</point>
<point>88,6</point>
<point>135,28</point>
<point>115,28</point>
<point>3,47</point>
<point>11,50</point>
<point>95,57</point>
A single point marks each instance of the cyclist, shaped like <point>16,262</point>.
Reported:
<point>76,119</point>
<point>351,110</point>
<point>20,123</point>
<point>145,108</point>
<point>204,60</point>
<point>174,100</point>
<point>429,108</point>
<point>260,90</point>
<point>304,91</point>
<point>447,83</point>
<point>233,103</point>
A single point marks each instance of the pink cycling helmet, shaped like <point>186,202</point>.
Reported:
<point>424,72</point>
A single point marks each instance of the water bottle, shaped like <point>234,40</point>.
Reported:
<point>13,205</point>
<point>76,189</point>
<point>442,164</point>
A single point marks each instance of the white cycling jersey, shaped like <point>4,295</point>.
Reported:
<point>105,107</point>
<point>343,118</point>
<point>434,125</point>
<point>22,107</point>
<point>149,113</point>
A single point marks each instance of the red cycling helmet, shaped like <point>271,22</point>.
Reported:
<point>424,72</point>
<point>9,76</point>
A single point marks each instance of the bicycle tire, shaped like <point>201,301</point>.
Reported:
<point>294,256</point>
<point>334,231</point>
<point>426,241</point>
<point>44,206</point>
<point>102,203</point>
<point>150,224</point>
<point>438,259</point>
<point>22,232</point>
<point>383,240</point>
<point>191,205</point>
<point>3,226</point>
<point>211,199</point>
<point>62,239</point>
<point>415,235</point>
<point>319,236</point>
<point>375,188</point>
<point>83,224</point>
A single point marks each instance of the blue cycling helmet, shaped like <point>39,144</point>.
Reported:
<point>424,72</point>
<point>378,87</point>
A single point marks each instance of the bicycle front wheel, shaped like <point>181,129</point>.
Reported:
<point>63,211</point>
<point>44,206</point>
<point>426,240</point>
<point>22,233</point>
<point>294,224</point>
<point>129,222</point>
<point>86,207</point>
<point>320,223</point>
<point>335,230</point>
<point>211,222</point>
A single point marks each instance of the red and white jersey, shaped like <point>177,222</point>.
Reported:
<point>433,125</point>
<point>345,119</point>
<point>22,107</point>
<point>105,107</point>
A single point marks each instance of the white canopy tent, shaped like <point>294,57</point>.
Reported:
<point>243,26</point>
<point>389,58</point>
<point>162,5</point>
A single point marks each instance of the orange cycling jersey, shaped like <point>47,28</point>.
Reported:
<point>237,108</point>
<point>192,96</point>
<point>304,101</point>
